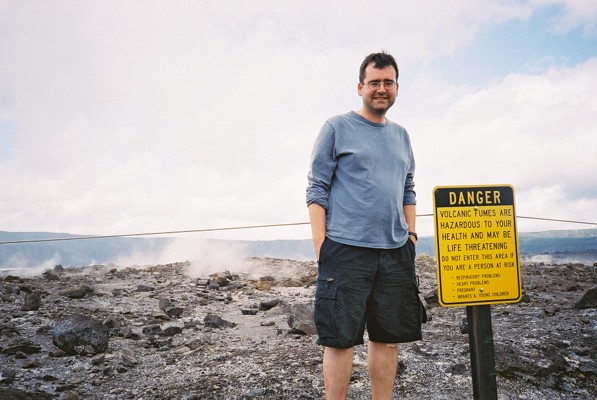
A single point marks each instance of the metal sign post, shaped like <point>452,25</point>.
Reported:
<point>476,248</point>
<point>482,352</point>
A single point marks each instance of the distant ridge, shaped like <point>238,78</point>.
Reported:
<point>571,245</point>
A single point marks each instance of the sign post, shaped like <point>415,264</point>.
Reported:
<point>482,352</point>
<point>476,247</point>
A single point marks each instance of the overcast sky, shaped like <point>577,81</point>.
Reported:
<point>142,116</point>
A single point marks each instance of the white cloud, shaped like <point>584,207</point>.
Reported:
<point>150,116</point>
<point>532,131</point>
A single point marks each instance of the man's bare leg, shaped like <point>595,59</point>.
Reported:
<point>337,368</point>
<point>382,362</point>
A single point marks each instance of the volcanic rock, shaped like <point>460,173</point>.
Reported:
<point>76,292</point>
<point>51,276</point>
<point>186,338</point>
<point>268,304</point>
<point>170,308</point>
<point>249,310</point>
<point>21,346</point>
<point>300,319</point>
<point>588,300</point>
<point>9,330</point>
<point>145,288</point>
<point>78,332</point>
<point>32,301</point>
<point>17,394</point>
<point>215,321</point>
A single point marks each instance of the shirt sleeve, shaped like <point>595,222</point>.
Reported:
<point>410,196</point>
<point>322,167</point>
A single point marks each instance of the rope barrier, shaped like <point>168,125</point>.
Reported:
<point>152,233</point>
<point>561,220</point>
<point>62,239</point>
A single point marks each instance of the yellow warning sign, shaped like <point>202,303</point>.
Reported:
<point>476,245</point>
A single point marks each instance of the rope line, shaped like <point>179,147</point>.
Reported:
<point>561,220</point>
<point>152,233</point>
<point>63,239</point>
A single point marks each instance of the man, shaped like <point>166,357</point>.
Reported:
<point>361,203</point>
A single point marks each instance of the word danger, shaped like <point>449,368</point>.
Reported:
<point>474,197</point>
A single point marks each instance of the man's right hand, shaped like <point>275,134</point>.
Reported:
<point>317,218</point>
<point>317,243</point>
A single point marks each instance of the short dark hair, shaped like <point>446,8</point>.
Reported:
<point>379,60</point>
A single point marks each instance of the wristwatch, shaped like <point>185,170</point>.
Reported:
<point>414,234</point>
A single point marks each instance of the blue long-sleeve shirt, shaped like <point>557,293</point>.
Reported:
<point>362,173</point>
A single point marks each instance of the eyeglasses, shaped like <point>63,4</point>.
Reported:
<point>375,85</point>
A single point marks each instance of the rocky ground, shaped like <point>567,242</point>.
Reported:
<point>162,332</point>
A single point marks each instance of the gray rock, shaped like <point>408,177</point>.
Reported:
<point>215,321</point>
<point>51,276</point>
<point>171,331</point>
<point>300,319</point>
<point>153,329</point>
<point>18,394</point>
<point>431,298</point>
<point>7,376</point>
<point>457,369</point>
<point>551,310</point>
<point>112,322</point>
<point>463,325</point>
<point>588,300</point>
<point>170,308</point>
<point>12,289</point>
<point>77,292</point>
<point>547,362</point>
<point>98,359</point>
<point>128,358</point>
<point>21,346</point>
<point>164,304</point>
<point>32,301</point>
<point>120,292</point>
<point>145,288</point>
<point>129,332</point>
<point>220,280</point>
<point>538,356</point>
<point>268,304</point>
<point>9,330</point>
<point>175,312</point>
<point>213,285</point>
<point>75,334</point>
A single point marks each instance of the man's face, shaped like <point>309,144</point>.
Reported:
<point>378,101</point>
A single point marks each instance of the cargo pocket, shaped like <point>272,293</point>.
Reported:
<point>410,315</point>
<point>423,312</point>
<point>325,307</point>
<point>422,309</point>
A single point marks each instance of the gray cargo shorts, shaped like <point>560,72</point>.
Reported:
<point>360,288</point>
